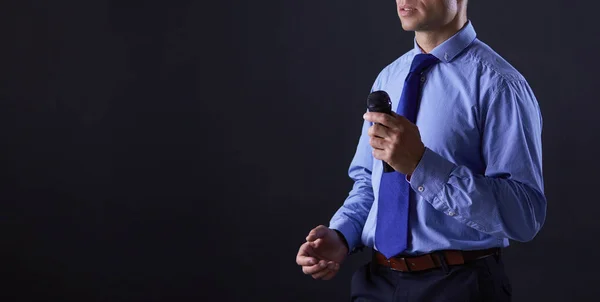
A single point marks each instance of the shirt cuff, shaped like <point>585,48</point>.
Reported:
<point>430,176</point>
<point>350,234</point>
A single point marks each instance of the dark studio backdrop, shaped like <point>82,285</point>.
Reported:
<point>182,150</point>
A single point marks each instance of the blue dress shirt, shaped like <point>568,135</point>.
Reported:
<point>480,181</point>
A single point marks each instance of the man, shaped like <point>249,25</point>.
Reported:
<point>466,152</point>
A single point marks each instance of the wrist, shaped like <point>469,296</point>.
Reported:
<point>416,163</point>
<point>343,239</point>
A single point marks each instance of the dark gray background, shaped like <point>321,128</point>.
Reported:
<point>175,151</point>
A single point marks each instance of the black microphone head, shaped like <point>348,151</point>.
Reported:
<point>379,101</point>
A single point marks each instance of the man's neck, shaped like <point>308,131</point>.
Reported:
<point>430,39</point>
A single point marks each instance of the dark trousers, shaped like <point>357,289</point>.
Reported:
<point>480,280</point>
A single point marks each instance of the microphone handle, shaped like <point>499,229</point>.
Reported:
<point>387,168</point>
<point>379,101</point>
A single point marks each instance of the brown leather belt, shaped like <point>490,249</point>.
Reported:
<point>432,260</point>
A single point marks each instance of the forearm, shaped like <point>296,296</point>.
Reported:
<point>500,205</point>
<point>350,218</point>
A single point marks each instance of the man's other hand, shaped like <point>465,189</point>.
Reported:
<point>322,253</point>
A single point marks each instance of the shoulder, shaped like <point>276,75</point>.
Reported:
<point>494,74</point>
<point>502,85</point>
<point>489,63</point>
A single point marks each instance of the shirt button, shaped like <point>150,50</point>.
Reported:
<point>422,79</point>
<point>421,188</point>
<point>451,213</point>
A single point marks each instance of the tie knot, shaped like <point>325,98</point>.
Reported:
<point>422,62</point>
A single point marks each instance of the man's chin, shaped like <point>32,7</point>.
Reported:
<point>408,27</point>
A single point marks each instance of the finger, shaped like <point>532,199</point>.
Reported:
<point>329,268</point>
<point>378,131</point>
<point>380,154</point>
<point>393,122</point>
<point>381,118</point>
<point>317,233</point>
<point>320,274</point>
<point>305,255</point>
<point>315,245</point>
<point>332,273</point>
<point>378,143</point>
<point>315,269</point>
<point>306,260</point>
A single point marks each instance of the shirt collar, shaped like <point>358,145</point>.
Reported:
<point>454,45</point>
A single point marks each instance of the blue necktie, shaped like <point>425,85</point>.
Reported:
<point>391,235</point>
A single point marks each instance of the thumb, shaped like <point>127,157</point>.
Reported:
<point>316,233</point>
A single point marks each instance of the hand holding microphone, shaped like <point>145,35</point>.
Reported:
<point>379,101</point>
<point>395,140</point>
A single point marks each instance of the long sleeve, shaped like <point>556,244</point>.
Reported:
<point>508,199</point>
<point>352,215</point>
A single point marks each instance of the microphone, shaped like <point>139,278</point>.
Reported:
<point>379,101</point>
